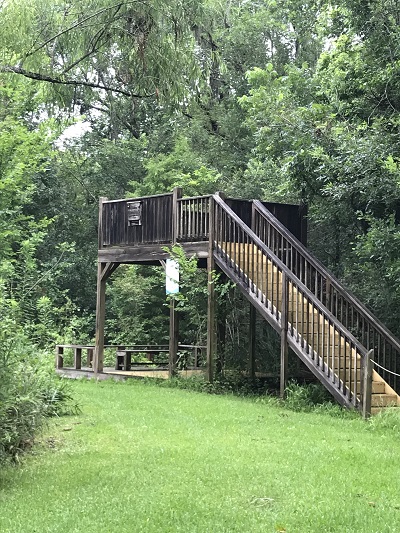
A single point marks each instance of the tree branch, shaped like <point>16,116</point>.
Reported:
<point>93,50</point>
<point>79,22</point>
<point>75,83</point>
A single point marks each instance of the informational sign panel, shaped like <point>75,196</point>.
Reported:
<point>134,213</point>
<point>171,276</point>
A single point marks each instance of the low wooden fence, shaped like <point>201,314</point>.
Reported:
<point>188,355</point>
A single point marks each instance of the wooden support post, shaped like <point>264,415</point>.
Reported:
<point>100,319</point>
<point>176,194</point>
<point>101,300</point>
<point>211,326</point>
<point>284,332</point>
<point>77,358</point>
<point>221,339</point>
<point>173,315</point>
<point>221,332</point>
<point>59,356</point>
<point>173,337</point>
<point>252,342</point>
<point>367,384</point>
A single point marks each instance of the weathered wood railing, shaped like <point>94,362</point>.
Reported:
<point>133,221</point>
<point>343,305</point>
<point>196,353</point>
<point>310,329</point>
<point>151,219</point>
<point>193,219</point>
<point>77,350</point>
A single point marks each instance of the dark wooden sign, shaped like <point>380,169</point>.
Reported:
<point>134,213</point>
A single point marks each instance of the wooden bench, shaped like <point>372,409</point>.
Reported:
<point>123,357</point>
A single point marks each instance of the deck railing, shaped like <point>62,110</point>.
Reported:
<point>343,305</point>
<point>134,221</point>
<point>193,219</point>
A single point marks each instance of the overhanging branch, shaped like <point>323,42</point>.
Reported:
<point>75,83</point>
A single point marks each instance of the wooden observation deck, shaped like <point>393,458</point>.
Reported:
<point>261,246</point>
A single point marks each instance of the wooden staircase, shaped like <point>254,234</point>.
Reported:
<point>292,297</point>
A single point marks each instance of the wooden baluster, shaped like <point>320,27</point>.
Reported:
<point>302,319</point>
<point>273,235</point>
<point>291,257</point>
<point>202,232</point>
<point>320,318</point>
<point>312,330</point>
<point>247,256</point>
<point>179,231</point>
<point>308,325</point>
<point>257,271</point>
<point>239,255</point>
<point>342,363</point>
<point>198,227</point>
<point>297,315</point>
<point>265,268</point>
<point>271,295</point>
<point>325,340</point>
<point>301,277</point>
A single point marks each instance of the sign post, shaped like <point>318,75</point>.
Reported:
<point>172,288</point>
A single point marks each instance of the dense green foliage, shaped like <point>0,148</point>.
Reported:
<point>287,101</point>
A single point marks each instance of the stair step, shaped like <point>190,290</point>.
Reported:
<point>383,400</point>
<point>378,387</point>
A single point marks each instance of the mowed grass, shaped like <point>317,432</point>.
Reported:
<point>141,458</point>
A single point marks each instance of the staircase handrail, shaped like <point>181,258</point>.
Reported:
<point>291,276</point>
<point>348,295</point>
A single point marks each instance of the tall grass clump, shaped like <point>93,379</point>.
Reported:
<point>29,392</point>
<point>387,419</point>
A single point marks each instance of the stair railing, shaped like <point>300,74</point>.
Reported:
<point>346,307</point>
<point>320,340</point>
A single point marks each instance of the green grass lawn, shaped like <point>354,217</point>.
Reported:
<point>145,458</point>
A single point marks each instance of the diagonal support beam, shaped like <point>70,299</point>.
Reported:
<point>108,269</point>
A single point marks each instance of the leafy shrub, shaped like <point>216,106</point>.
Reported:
<point>30,392</point>
<point>305,397</point>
